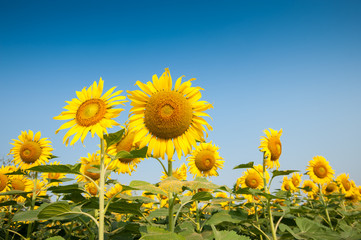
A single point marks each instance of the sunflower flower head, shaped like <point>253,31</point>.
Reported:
<point>114,191</point>
<point>344,183</point>
<point>180,173</point>
<point>251,178</point>
<point>329,188</point>
<point>287,185</point>
<point>310,188</point>
<point>90,112</point>
<point>5,179</point>
<point>90,167</point>
<point>205,160</point>
<point>167,117</point>
<point>296,179</point>
<point>30,150</point>
<point>319,170</point>
<point>272,147</point>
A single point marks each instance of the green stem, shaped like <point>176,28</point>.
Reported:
<point>165,170</point>
<point>256,214</point>
<point>33,199</point>
<point>92,237</point>
<point>325,205</point>
<point>101,191</point>
<point>170,200</point>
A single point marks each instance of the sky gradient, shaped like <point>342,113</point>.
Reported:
<point>293,65</point>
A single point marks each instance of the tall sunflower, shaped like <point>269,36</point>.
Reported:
<point>272,147</point>
<point>251,179</point>
<point>90,112</point>
<point>31,150</point>
<point>124,165</point>
<point>319,170</point>
<point>205,160</point>
<point>168,117</point>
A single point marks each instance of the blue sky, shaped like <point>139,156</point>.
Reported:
<point>293,65</point>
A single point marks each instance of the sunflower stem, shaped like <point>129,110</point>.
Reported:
<point>325,205</point>
<point>165,170</point>
<point>101,191</point>
<point>33,199</point>
<point>170,199</point>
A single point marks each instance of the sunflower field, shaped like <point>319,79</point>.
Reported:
<point>41,198</point>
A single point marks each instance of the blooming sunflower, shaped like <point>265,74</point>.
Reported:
<point>344,183</point>
<point>205,160</point>
<point>4,179</point>
<point>296,179</point>
<point>329,188</point>
<point>287,185</point>
<point>272,147</point>
<point>310,188</point>
<point>30,150</point>
<point>124,165</point>
<point>91,188</point>
<point>319,170</point>
<point>21,183</point>
<point>180,173</point>
<point>90,112</point>
<point>52,176</point>
<point>168,118</point>
<point>250,179</point>
<point>88,164</point>
<point>117,188</point>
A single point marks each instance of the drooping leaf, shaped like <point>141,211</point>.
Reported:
<point>227,235</point>
<point>54,209</point>
<point>8,203</point>
<point>202,196</point>
<point>114,138</point>
<point>146,186</point>
<point>14,192</point>
<point>226,216</point>
<point>157,233</point>
<point>54,169</point>
<point>139,153</point>
<point>245,165</point>
<point>66,189</point>
<point>276,173</point>
<point>200,182</point>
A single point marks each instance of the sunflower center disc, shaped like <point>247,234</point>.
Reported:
<point>295,182</point>
<point>3,181</point>
<point>251,182</point>
<point>30,152</point>
<point>126,145</point>
<point>93,190</point>
<point>53,175</point>
<point>92,175</point>
<point>168,114</point>
<point>320,171</point>
<point>205,160</point>
<point>17,184</point>
<point>275,147</point>
<point>90,112</point>
<point>346,184</point>
<point>331,187</point>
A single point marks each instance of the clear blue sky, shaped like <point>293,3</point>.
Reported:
<point>293,65</point>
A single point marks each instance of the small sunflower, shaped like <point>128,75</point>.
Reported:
<point>272,147</point>
<point>330,188</point>
<point>30,150</point>
<point>114,191</point>
<point>90,112</point>
<point>319,170</point>
<point>166,117</point>
<point>353,196</point>
<point>310,188</point>
<point>92,189</point>
<point>88,164</point>
<point>124,165</point>
<point>180,173</point>
<point>296,179</point>
<point>251,179</point>
<point>287,185</point>
<point>205,160</point>
<point>5,179</point>
<point>52,176</point>
<point>344,183</point>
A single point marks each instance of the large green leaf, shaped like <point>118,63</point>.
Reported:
<point>276,173</point>
<point>54,209</point>
<point>55,238</point>
<point>200,182</point>
<point>139,153</point>
<point>245,165</point>
<point>146,186</point>
<point>227,235</point>
<point>202,196</point>
<point>113,138</point>
<point>156,233</point>
<point>14,192</point>
<point>66,189</point>
<point>72,169</point>
<point>226,216</point>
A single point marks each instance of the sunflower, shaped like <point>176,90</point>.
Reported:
<point>353,196</point>
<point>310,188</point>
<point>5,179</point>
<point>344,183</point>
<point>124,165</point>
<point>319,170</point>
<point>30,150</point>
<point>92,189</point>
<point>90,112</point>
<point>21,183</point>
<point>250,179</point>
<point>168,118</point>
<point>329,188</point>
<point>287,185</point>
<point>224,204</point>
<point>205,160</point>
<point>296,179</point>
<point>117,188</point>
<point>47,177</point>
<point>89,165</point>
<point>180,173</point>
<point>272,147</point>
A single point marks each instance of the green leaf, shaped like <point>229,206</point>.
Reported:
<point>14,192</point>
<point>114,138</point>
<point>54,209</point>
<point>162,212</point>
<point>8,203</point>
<point>227,235</point>
<point>200,182</point>
<point>26,216</point>
<point>54,169</point>
<point>17,172</point>
<point>276,173</point>
<point>55,238</point>
<point>227,216</point>
<point>202,196</point>
<point>246,165</point>
<point>140,153</point>
<point>156,233</point>
<point>66,189</point>
<point>146,186</point>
